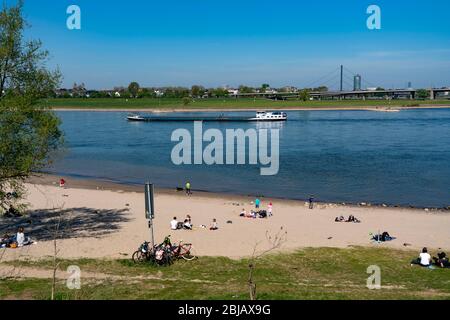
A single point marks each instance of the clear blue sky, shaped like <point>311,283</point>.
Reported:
<point>214,43</point>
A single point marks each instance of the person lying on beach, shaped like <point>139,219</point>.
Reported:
<point>441,260</point>
<point>339,219</point>
<point>262,214</point>
<point>424,259</point>
<point>214,225</point>
<point>385,236</point>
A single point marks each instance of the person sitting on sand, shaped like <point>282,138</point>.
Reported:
<point>6,240</point>
<point>442,260</point>
<point>424,259</point>
<point>174,224</point>
<point>187,225</point>
<point>214,225</point>
<point>243,213</point>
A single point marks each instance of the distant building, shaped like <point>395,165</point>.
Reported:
<point>357,83</point>
<point>159,93</point>
<point>233,92</point>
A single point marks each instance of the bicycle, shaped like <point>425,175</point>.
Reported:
<point>142,254</point>
<point>184,251</point>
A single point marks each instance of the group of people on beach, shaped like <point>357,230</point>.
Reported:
<point>425,260</point>
<point>188,225</point>
<point>15,241</point>
<point>253,214</point>
<point>351,218</point>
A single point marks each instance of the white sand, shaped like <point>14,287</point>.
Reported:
<point>119,231</point>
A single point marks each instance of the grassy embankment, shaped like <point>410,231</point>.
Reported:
<point>229,103</point>
<point>323,273</point>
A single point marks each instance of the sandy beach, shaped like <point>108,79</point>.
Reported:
<point>169,110</point>
<point>104,220</point>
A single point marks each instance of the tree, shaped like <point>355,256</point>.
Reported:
<point>304,95</point>
<point>422,94</point>
<point>186,101</point>
<point>78,90</point>
<point>197,91</point>
<point>29,131</point>
<point>245,89</point>
<point>133,88</point>
<point>220,92</point>
<point>274,243</point>
<point>264,87</point>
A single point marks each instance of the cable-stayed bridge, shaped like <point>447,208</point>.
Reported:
<point>343,83</point>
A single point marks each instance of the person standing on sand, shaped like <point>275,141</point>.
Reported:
<point>311,202</point>
<point>257,203</point>
<point>62,183</point>
<point>188,188</point>
<point>269,209</point>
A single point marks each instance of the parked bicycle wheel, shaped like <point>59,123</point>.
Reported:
<point>138,257</point>
<point>188,253</point>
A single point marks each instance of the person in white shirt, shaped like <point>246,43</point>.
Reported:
<point>425,258</point>
<point>269,209</point>
<point>174,224</point>
<point>20,237</point>
<point>214,225</point>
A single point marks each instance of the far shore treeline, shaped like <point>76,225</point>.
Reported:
<point>135,91</point>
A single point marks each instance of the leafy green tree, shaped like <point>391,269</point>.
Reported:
<point>422,94</point>
<point>220,92</point>
<point>186,101</point>
<point>264,87</point>
<point>197,91</point>
<point>245,89</point>
<point>29,131</point>
<point>304,95</point>
<point>133,89</point>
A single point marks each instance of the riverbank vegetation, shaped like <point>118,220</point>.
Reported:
<point>313,273</point>
<point>227,103</point>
